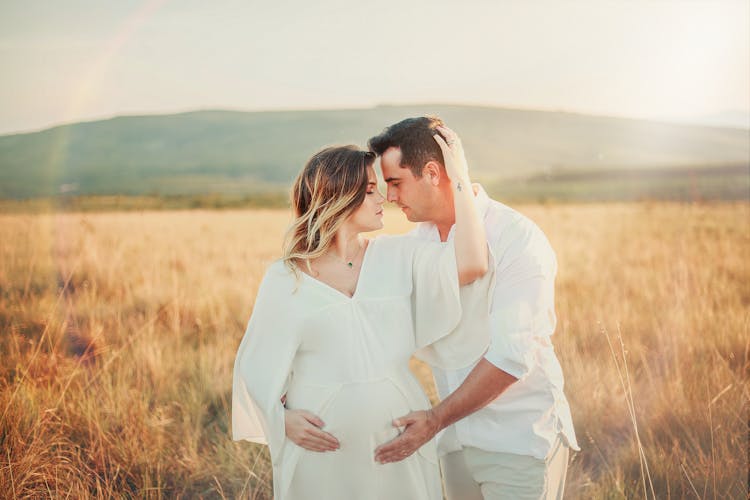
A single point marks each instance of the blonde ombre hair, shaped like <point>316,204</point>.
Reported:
<point>331,186</point>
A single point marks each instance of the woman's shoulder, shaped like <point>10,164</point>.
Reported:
<point>278,267</point>
<point>278,276</point>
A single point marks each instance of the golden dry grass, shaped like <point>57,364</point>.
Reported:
<point>118,334</point>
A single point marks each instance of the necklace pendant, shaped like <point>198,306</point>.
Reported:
<point>349,264</point>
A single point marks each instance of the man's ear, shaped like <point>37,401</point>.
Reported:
<point>432,172</point>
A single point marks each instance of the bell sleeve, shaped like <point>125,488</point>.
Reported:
<point>451,322</point>
<point>263,365</point>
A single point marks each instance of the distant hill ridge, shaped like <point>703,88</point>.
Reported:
<point>236,152</point>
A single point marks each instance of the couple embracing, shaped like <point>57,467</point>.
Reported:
<point>322,376</point>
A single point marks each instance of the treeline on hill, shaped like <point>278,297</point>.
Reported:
<point>216,159</point>
<point>730,183</point>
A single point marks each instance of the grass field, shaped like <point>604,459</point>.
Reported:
<point>119,330</point>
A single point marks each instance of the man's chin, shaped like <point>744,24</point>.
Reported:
<point>412,217</point>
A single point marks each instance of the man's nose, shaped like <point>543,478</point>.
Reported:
<point>391,195</point>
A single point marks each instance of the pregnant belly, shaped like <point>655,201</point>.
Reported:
<point>358,414</point>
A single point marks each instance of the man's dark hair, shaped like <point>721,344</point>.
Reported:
<point>414,137</point>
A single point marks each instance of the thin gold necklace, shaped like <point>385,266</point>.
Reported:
<point>349,263</point>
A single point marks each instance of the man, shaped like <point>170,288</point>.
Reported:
<point>507,424</point>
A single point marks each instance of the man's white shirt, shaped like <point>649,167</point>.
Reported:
<point>529,415</point>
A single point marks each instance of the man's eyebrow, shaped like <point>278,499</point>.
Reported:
<point>391,179</point>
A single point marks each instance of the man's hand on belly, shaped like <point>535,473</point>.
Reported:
<point>483,385</point>
<point>304,429</point>
<point>421,426</point>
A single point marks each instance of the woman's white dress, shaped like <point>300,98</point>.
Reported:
<point>346,359</point>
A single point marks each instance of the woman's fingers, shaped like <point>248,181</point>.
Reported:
<point>313,439</point>
<point>316,443</point>
<point>312,418</point>
<point>315,428</point>
<point>441,142</point>
<point>448,141</point>
<point>322,436</point>
<point>453,153</point>
<point>450,136</point>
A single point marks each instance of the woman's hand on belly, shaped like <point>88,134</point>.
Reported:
<point>304,429</point>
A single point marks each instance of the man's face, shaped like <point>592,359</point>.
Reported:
<point>414,195</point>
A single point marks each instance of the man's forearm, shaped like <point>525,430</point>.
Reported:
<point>485,383</point>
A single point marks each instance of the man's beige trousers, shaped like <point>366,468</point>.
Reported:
<point>474,474</point>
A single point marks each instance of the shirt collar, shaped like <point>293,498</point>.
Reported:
<point>482,200</point>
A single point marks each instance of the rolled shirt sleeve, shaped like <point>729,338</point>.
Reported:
<point>522,314</point>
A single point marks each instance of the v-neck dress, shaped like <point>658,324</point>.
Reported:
<point>346,359</point>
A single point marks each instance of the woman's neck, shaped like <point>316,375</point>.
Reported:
<point>347,244</point>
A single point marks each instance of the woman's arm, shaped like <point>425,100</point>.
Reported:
<point>470,239</point>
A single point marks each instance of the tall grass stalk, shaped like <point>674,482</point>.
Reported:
<point>622,371</point>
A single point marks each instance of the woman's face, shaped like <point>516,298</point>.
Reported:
<point>369,215</point>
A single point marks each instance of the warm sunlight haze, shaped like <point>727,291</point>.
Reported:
<point>147,153</point>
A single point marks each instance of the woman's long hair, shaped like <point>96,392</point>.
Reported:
<point>331,186</point>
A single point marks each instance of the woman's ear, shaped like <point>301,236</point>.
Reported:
<point>432,172</point>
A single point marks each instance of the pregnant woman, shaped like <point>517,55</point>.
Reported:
<point>336,320</point>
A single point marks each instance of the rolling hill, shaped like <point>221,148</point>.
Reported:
<point>247,153</point>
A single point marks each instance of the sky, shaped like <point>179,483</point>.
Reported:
<point>78,60</point>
